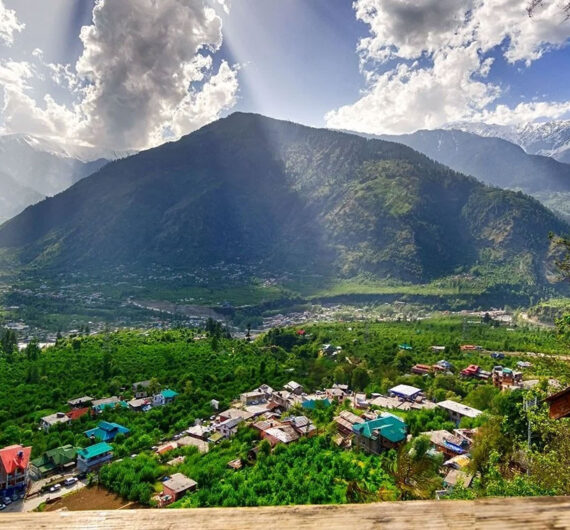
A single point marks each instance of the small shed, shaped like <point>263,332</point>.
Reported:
<point>178,485</point>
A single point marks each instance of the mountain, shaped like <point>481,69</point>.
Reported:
<point>547,139</point>
<point>14,197</point>
<point>281,197</point>
<point>36,168</point>
<point>496,162</point>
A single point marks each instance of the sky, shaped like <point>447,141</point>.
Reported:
<point>131,74</point>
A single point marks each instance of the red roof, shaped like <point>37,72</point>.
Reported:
<point>15,457</point>
<point>77,413</point>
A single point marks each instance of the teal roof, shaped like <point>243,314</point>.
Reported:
<point>104,406</point>
<point>106,431</point>
<point>388,426</point>
<point>311,404</point>
<point>169,394</point>
<point>95,450</point>
<point>405,346</point>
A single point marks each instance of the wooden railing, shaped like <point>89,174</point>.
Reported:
<point>496,513</point>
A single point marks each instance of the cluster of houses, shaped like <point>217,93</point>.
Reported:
<point>88,405</point>
<point>66,458</point>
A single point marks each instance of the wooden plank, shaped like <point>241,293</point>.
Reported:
<point>496,513</point>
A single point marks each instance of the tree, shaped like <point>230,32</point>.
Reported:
<point>415,470</point>
<point>360,378</point>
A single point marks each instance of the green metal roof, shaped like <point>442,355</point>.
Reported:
<point>53,458</point>
<point>95,450</point>
<point>388,426</point>
<point>169,394</point>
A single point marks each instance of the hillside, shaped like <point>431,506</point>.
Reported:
<point>496,162</point>
<point>280,197</point>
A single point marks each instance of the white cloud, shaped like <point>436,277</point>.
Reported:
<point>426,61</point>
<point>146,68</point>
<point>9,25</point>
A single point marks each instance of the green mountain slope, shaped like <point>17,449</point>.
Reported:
<point>280,197</point>
<point>496,162</point>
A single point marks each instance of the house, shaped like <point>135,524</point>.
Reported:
<point>139,404</point>
<point>165,448</point>
<point>342,386</point>
<point>47,422</point>
<point>446,365</point>
<point>449,444</point>
<point>438,348</point>
<point>99,405</point>
<point>283,434</point>
<point>164,397</point>
<point>265,389</point>
<point>311,404</point>
<point>84,401</point>
<point>177,486</point>
<point>215,404</point>
<point>14,470</point>
<point>471,347</point>
<point>471,371</point>
<point>199,431</point>
<point>457,411</point>
<point>405,346</point>
<point>458,462</point>
<point>359,401</point>
<point>229,427</point>
<point>345,420</point>
<point>235,464</point>
<point>187,441</point>
<point>559,404</point>
<point>75,414</point>
<point>405,392</point>
<point>53,461</point>
<point>303,426</point>
<point>421,369</point>
<point>283,398</point>
<point>233,413</point>
<point>106,431</point>
<point>253,398</point>
<point>506,378</point>
<point>140,389</point>
<point>455,477</point>
<point>93,456</point>
<point>294,388</point>
<point>335,394</point>
<point>385,432</point>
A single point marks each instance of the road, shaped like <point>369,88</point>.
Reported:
<point>31,503</point>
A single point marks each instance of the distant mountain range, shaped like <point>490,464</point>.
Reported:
<point>547,139</point>
<point>32,169</point>
<point>496,162</point>
<point>266,193</point>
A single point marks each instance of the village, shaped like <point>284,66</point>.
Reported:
<point>373,423</point>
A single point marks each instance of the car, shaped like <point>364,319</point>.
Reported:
<point>2,506</point>
<point>7,500</point>
<point>70,481</point>
<point>55,487</point>
<point>497,355</point>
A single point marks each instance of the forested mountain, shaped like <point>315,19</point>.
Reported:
<point>256,191</point>
<point>36,169</point>
<point>497,162</point>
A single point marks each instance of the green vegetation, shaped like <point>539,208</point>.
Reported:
<point>34,383</point>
